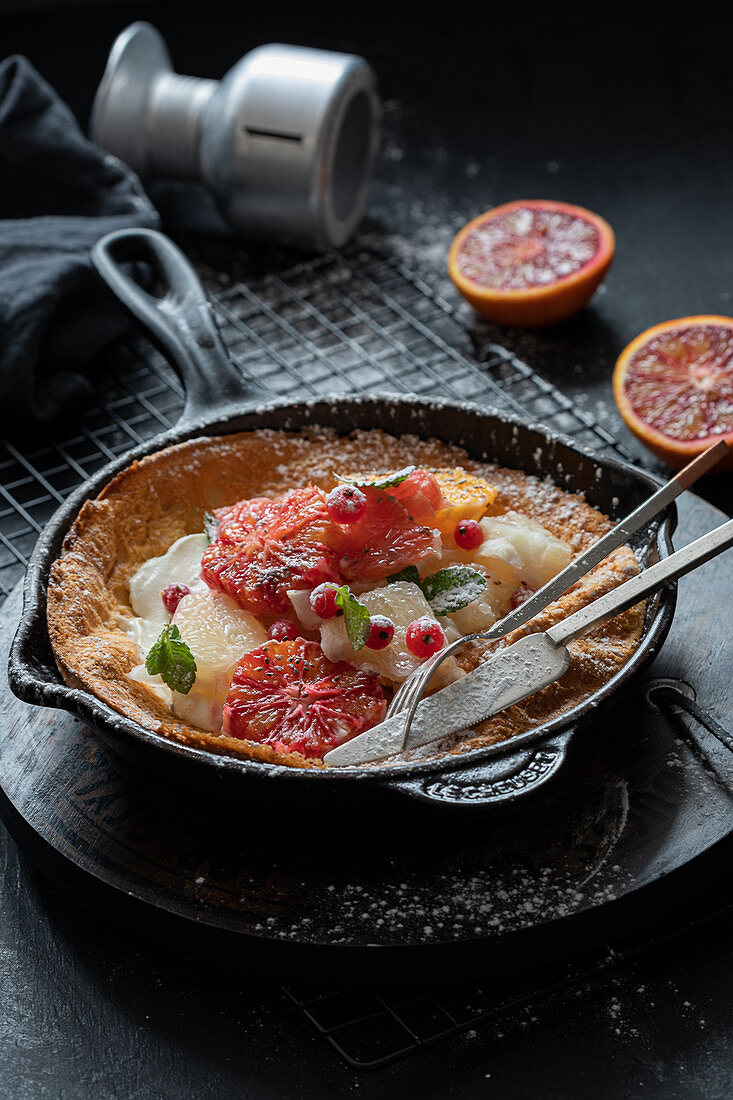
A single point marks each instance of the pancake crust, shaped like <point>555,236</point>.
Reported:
<point>143,510</point>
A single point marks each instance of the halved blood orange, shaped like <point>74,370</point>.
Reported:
<point>673,386</point>
<point>290,696</point>
<point>531,262</point>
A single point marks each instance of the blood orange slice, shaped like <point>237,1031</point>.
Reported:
<point>384,540</point>
<point>266,547</point>
<point>301,512</point>
<point>673,386</point>
<point>420,494</point>
<point>532,262</point>
<point>290,696</point>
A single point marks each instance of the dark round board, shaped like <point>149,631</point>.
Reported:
<point>636,819</point>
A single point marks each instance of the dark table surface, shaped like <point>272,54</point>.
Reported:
<point>632,117</point>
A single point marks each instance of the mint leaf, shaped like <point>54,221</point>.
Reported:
<point>356,617</point>
<point>385,482</point>
<point>170,658</point>
<point>452,588</point>
<point>409,573</point>
<point>211,526</point>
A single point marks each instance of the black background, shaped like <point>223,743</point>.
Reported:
<point>629,111</point>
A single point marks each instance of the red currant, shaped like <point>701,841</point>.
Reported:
<point>424,637</point>
<point>468,534</point>
<point>282,631</point>
<point>323,602</point>
<point>346,504</point>
<point>381,632</point>
<point>172,596</point>
<point>522,594</point>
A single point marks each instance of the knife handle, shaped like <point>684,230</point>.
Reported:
<point>609,542</point>
<point>631,592</point>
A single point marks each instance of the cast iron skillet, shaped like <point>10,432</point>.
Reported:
<point>182,324</point>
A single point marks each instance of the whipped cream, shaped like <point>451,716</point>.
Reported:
<point>181,564</point>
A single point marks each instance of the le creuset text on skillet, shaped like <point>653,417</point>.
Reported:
<point>181,323</point>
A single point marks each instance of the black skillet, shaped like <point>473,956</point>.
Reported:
<point>181,323</point>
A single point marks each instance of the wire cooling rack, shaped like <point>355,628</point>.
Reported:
<point>370,1029</point>
<point>359,322</point>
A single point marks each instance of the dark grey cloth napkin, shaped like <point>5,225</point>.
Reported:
<point>59,193</point>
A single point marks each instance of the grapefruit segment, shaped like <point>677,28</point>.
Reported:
<point>290,696</point>
<point>516,541</point>
<point>217,632</point>
<point>673,386</point>
<point>492,605</point>
<point>401,602</point>
<point>531,262</point>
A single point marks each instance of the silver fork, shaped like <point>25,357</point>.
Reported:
<point>411,691</point>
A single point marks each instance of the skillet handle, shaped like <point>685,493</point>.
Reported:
<point>181,322</point>
<point>493,784</point>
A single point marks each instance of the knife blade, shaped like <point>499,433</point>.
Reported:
<point>507,677</point>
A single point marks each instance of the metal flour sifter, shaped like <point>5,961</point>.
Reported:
<point>286,141</point>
